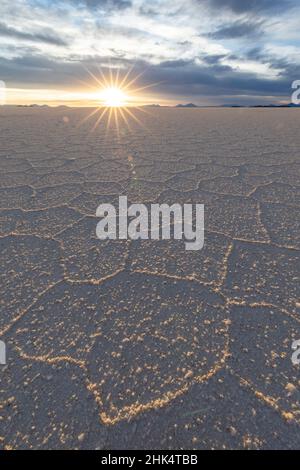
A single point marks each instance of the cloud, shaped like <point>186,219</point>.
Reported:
<point>213,58</point>
<point>113,4</point>
<point>187,51</point>
<point>238,29</point>
<point>175,63</point>
<point>246,6</point>
<point>175,78</point>
<point>47,38</point>
<point>148,11</point>
<point>289,70</point>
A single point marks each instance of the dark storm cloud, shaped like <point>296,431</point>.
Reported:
<point>215,64</point>
<point>148,11</point>
<point>48,38</point>
<point>248,6</point>
<point>94,4</point>
<point>175,63</point>
<point>238,29</point>
<point>214,58</point>
<point>254,54</point>
<point>176,78</point>
<point>288,70</point>
<point>198,82</point>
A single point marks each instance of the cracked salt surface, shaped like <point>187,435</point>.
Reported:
<point>140,344</point>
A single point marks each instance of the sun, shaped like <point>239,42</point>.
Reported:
<point>113,97</point>
<point>116,97</point>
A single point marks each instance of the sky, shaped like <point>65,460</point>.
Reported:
<point>209,52</point>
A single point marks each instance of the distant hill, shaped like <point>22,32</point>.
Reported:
<point>31,106</point>
<point>288,105</point>
<point>233,106</point>
<point>188,105</point>
<point>151,105</point>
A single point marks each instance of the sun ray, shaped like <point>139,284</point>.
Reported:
<point>94,77</point>
<point>99,119</point>
<point>109,119</point>
<point>124,119</point>
<point>124,80</point>
<point>110,75</point>
<point>134,117</point>
<point>86,118</point>
<point>143,110</point>
<point>116,122</point>
<point>86,84</point>
<point>116,83</point>
<point>106,83</point>
<point>136,90</point>
<point>128,84</point>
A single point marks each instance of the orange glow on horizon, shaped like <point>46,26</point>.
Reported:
<point>115,99</point>
<point>110,91</point>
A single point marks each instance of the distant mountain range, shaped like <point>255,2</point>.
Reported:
<point>288,105</point>
<point>192,105</point>
<point>180,105</point>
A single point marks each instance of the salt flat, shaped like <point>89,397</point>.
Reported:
<point>141,344</point>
